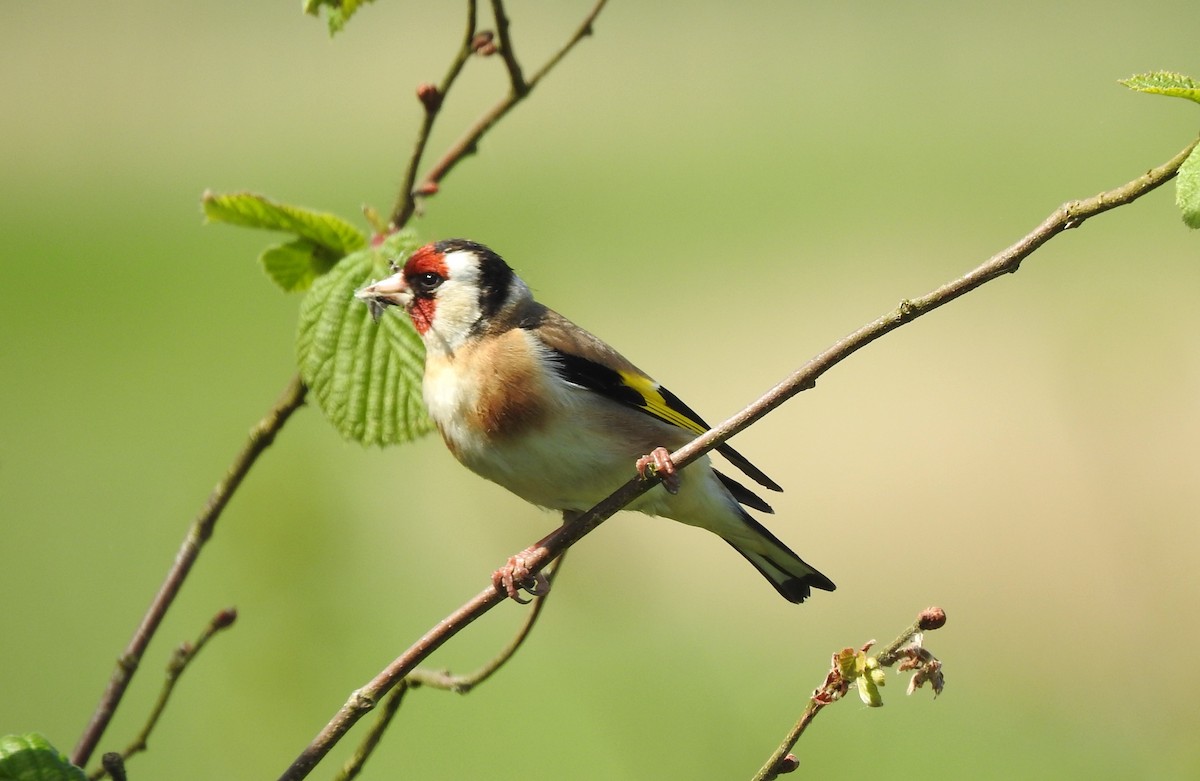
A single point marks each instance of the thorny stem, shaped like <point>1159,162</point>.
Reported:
<point>261,436</point>
<point>1070,215</point>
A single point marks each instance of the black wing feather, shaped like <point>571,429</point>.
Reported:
<point>607,382</point>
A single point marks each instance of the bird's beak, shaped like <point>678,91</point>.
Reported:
<point>378,296</point>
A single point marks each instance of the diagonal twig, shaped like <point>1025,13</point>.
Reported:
<point>1070,215</point>
<point>469,141</point>
<point>183,656</point>
<point>515,77</point>
<point>261,436</point>
<point>781,760</point>
<point>431,97</point>
<point>264,433</point>
<point>465,683</point>
<point>460,684</point>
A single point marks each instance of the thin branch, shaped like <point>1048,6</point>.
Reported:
<point>460,684</point>
<point>470,140</point>
<point>465,683</point>
<point>515,77</point>
<point>782,761</point>
<point>354,764</point>
<point>183,656</point>
<point>432,98</point>
<point>835,686</point>
<point>1069,215</point>
<point>114,765</point>
<point>928,619</point>
<point>261,436</point>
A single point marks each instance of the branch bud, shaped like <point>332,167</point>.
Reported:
<point>788,764</point>
<point>430,96</point>
<point>484,43</point>
<point>931,618</point>
<point>114,764</point>
<point>225,618</point>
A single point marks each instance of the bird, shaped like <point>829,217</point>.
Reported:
<point>526,398</point>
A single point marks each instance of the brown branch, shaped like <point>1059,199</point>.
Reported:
<point>354,764</point>
<point>515,78</point>
<point>835,686</point>
<point>460,684</point>
<point>183,656</point>
<point>1069,215</point>
<point>470,140</point>
<point>465,683</point>
<point>261,436</point>
<point>432,98</point>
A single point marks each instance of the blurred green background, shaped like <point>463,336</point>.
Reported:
<point>761,178</point>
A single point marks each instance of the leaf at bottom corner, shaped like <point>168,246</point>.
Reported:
<point>30,757</point>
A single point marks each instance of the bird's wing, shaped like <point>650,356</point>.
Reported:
<point>585,361</point>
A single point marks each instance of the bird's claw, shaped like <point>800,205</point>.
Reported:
<point>515,577</point>
<point>659,463</point>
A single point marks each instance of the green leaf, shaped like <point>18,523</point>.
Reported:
<point>31,758</point>
<point>327,231</point>
<point>365,376</point>
<point>1175,85</point>
<point>340,11</point>
<point>1187,189</point>
<point>296,264</point>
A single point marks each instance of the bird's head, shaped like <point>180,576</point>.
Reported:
<point>451,290</point>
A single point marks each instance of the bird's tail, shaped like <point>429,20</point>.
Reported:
<point>789,574</point>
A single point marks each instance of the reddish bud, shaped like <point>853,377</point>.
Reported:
<point>225,618</point>
<point>788,764</point>
<point>931,618</point>
<point>428,188</point>
<point>483,43</point>
<point>430,96</point>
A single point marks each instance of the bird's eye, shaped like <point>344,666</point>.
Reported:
<point>425,283</point>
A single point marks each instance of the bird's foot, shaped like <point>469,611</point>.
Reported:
<point>659,463</point>
<point>515,577</point>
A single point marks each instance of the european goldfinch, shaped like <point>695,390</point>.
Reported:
<point>531,401</point>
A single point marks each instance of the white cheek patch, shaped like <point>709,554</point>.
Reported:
<point>457,308</point>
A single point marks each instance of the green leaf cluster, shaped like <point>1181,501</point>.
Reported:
<point>365,376</point>
<point>321,238</point>
<point>30,757</point>
<point>1187,181</point>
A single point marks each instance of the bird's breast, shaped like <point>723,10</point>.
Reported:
<point>486,394</point>
<point>506,415</point>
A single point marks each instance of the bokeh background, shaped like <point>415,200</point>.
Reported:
<point>720,190</point>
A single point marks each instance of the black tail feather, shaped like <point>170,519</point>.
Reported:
<point>788,573</point>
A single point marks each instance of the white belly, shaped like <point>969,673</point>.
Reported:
<point>578,452</point>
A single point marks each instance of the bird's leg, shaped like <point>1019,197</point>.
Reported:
<point>515,577</point>
<point>659,463</point>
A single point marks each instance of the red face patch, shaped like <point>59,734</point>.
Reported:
<point>424,261</point>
